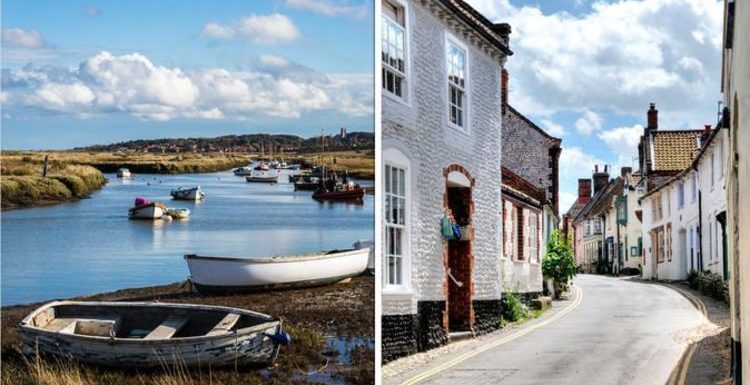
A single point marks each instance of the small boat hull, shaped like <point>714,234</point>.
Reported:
<point>150,211</point>
<point>123,173</point>
<point>248,344</point>
<point>346,195</point>
<point>178,213</point>
<point>262,178</point>
<point>225,274</point>
<point>188,194</point>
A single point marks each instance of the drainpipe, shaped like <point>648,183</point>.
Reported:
<point>700,232</point>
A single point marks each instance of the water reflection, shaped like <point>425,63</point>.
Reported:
<point>90,246</point>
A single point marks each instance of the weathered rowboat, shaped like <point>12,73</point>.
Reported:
<point>309,183</point>
<point>227,274</point>
<point>188,193</point>
<point>151,334</point>
<point>152,210</point>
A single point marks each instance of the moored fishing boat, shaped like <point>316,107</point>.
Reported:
<point>144,209</point>
<point>226,274</point>
<point>150,334</point>
<point>123,173</point>
<point>347,193</point>
<point>188,193</point>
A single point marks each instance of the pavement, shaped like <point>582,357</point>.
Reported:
<point>609,331</point>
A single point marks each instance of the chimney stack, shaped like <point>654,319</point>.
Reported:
<point>705,134</point>
<point>600,179</point>
<point>503,31</point>
<point>584,190</point>
<point>653,117</point>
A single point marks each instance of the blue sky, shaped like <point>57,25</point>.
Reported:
<point>586,71</point>
<point>83,72</point>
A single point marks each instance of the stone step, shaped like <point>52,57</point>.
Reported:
<point>459,336</point>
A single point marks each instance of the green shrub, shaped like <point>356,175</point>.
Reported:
<point>512,308</point>
<point>692,279</point>
<point>559,264</point>
<point>713,285</point>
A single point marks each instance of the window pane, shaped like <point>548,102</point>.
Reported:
<point>401,184</point>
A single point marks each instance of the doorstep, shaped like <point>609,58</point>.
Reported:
<point>459,336</point>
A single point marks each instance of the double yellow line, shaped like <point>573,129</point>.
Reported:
<point>679,374</point>
<point>455,361</point>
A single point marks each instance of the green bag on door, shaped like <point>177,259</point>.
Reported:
<point>446,228</point>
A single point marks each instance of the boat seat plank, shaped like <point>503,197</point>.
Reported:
<point>58,324</point>
<point>225,325</point>
<point>167,329</point>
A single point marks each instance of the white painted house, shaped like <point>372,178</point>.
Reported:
<point>442,121</point>
<point>682,216</point>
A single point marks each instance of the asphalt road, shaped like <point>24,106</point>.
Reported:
<point>621,332</point>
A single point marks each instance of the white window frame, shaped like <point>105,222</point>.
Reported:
<point>680,195</point>
<point>395,158</point>
<point>407,80</point>
<point>450,39</point>
<point>533,231</point>
<point>512,230</point>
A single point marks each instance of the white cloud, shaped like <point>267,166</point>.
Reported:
<point>623,141</point>
<point>589,122</point>
<point>329,8</point>
<point>20,38</point>
<point>617,56</point>
<point>566,200</point>
<point>553,128</point>
<point>132,84</point>
<point>259,29</point>
<point>573,160</point>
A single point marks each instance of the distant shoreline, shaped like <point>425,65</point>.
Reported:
<point>74,175</point>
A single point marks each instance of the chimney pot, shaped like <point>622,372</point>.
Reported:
<point>596,168</point>
<point>652,117</point>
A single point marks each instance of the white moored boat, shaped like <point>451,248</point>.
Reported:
<point>224,274</point>
<point>123,173</point>
<point>152,334</point>
<point>263,176</point>
<point>188,193</point>
<point>144,209</point>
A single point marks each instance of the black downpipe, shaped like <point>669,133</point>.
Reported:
<point>700,232</point>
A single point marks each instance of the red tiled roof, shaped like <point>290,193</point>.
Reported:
<point>674,150</point>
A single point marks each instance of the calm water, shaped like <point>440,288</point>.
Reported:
<point>90,246</point>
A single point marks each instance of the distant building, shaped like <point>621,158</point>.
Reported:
<point>684,203</point>
<point>530,194</point>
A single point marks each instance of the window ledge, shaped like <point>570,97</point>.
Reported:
<point>395,98</point>
<point>397,292</point>
<point>461,130</point>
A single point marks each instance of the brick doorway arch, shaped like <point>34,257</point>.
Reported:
<point>458,259</point>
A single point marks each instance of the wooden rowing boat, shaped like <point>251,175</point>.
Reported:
<point>152,334</point>
<point>227,274</point>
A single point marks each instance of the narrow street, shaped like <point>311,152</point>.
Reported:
<point>613,331</point>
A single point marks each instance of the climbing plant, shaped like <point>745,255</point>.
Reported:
<point>558,263</point>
